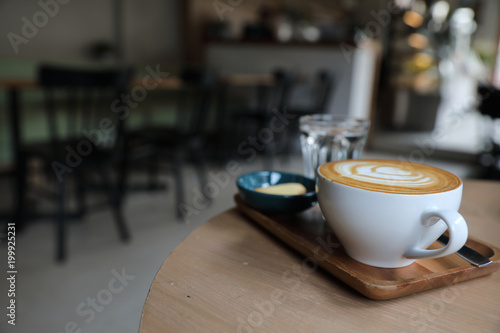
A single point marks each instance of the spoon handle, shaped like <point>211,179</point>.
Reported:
<point>471,255</point>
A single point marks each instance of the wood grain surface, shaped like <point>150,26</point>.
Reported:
<point>231,275</point>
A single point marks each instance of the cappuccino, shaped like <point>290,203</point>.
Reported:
<point>390,176</point>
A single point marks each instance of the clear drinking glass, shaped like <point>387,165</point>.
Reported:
<point>325,138</point>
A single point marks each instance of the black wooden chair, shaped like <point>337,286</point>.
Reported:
<point>320,93</point>
<point>268,98</point>
<point>182,142</point>
<point>489,107</point>
<point>85,118</point>
<point>322,88</point>
<point>249,120</point>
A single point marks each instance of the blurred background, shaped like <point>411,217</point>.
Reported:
<point>176,98</point>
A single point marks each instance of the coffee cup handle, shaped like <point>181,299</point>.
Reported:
<point>457,229</point>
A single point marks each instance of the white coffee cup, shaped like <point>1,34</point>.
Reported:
<point>389,222</point>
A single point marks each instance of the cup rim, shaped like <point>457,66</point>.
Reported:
<point>320,175</point>
<point>325,119</point>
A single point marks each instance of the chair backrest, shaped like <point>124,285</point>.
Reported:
<point>195,99</point>
<point>280,92</point>
<point>321,92</point>
<point>92,101</point>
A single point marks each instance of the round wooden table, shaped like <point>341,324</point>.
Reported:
<point>230,275</point>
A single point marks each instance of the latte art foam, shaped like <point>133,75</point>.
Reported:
<point>390,176</point>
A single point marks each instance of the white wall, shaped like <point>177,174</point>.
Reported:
<point>227,59</point>
<point>353,80</point>
<point>151,29</point>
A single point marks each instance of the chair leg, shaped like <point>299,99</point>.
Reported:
<point>114,200</point>
<point>201,170</point>
<point>61,220</point>
<point>21,175</point>
<point>124,170</point>
<point>286,145</point>
<point>80,197</point>
<point>153,169</point>
<point>179,185</point>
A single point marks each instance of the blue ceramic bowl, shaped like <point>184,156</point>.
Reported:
<point>276,204</point>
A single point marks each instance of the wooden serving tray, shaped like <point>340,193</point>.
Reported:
<point>309,235</point>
